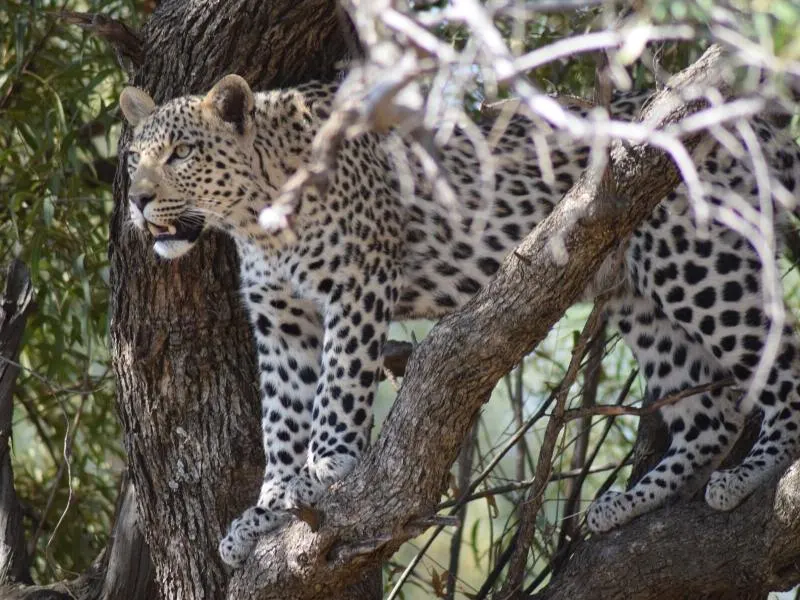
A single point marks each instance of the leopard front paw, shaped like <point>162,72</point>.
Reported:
<point>244,532</point>
<point>303,491</point>
<point>727,489</point>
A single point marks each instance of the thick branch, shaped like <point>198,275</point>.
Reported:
<point>694,551</point>
<point>457,365</point>
<point>126,43</point>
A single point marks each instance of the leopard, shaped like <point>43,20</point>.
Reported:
<point>372,248</point>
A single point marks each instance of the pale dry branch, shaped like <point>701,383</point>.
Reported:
<point>126,43</point>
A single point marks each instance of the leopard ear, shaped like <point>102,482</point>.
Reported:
<point>136,105</point>
<point>231,99</point>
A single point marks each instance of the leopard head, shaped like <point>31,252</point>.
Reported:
<point>190,163</point>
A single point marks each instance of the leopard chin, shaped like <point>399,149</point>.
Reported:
<point>172,248</point>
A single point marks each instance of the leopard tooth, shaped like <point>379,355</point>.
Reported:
<point>172,230</point>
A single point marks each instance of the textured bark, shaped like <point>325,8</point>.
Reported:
<point>15,304</point>
<point>692,551</point>
<point>396,487</point>
<point>128,570</point>
<point>182,348</point>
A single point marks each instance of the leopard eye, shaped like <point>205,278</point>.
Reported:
<point>180,152</point>
<point>133,157</point>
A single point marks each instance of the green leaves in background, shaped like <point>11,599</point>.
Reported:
<point>58,128</point>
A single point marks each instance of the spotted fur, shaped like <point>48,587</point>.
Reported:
<point>690,308</point>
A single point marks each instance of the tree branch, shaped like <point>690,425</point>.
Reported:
<point>461,360</point>
<point>126,43</point>
<point>694,551</point>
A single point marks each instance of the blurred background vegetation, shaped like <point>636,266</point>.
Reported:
<point>58,135</point>
<point>58,132</point>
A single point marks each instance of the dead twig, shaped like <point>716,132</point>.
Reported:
<point>636,411</point>
<point>464,472</point>
<point>570,524</point>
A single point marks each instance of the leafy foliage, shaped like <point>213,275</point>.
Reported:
<point>58,122</point>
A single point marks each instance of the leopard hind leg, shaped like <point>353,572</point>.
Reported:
<point>702,427</point>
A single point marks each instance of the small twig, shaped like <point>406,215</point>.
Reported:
<point>33,416</point>
<point>438,520</point>
<point>517,402</point>
<point>619,411</point>
<point>524,484</point>
<point>501,563</point>
<point>64,467</point>
<point>464,471</point>
<point>527,524</point>
<point>570,524</point>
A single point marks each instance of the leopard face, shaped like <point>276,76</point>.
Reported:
<point>190,163</point>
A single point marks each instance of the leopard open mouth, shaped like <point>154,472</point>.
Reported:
<point>161,233</point>
<point>177,230</point>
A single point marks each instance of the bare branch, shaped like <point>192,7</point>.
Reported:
<point>525,531</point>
<point>618,411</point>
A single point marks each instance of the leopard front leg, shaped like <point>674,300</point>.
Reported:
<point>288,334</point>
<point>356,325</point>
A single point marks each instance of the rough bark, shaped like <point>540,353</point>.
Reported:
<point>182,348</point>
<point>691,551</point>
<point>15,304</point>
<point>128,570</point>
<point>396,487</point>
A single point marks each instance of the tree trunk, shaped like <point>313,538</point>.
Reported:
<point>182,347</point>
<point>15,304</point>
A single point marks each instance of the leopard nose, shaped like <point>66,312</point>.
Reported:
<point>141,200</point>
